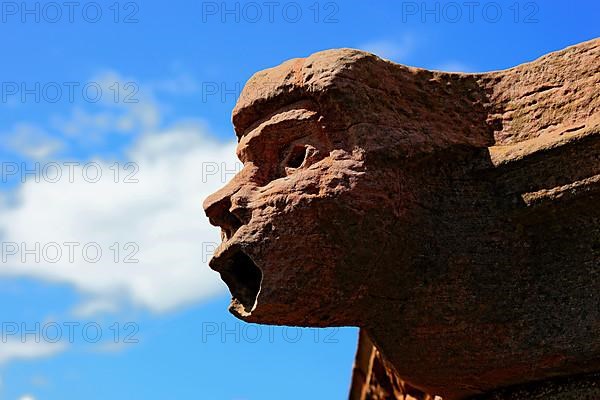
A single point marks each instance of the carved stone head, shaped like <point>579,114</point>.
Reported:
<point>415,204</point>
<point>325,192</point>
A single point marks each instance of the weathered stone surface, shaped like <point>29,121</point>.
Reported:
<point>580,387</point>
<point>453,217</point>
<point>373,378</point>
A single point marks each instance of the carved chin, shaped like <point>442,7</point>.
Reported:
<point>243,278</point>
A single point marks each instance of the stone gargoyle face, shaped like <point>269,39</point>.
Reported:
<point>428,208</point>
<point>320,217</point>
<point>288,219</point>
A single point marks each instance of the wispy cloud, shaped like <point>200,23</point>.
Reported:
<point>454,66</point>
<point>392,49</point>
<point>125,107</point>
<point>178,84</point>
<point>31,141</point>
<point>399,49</point>
<point>25,350</point>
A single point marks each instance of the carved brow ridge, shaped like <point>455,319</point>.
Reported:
<point>270,131</point>
<point>305,104</point>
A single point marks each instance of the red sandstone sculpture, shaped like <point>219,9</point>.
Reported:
<point>453,217</point>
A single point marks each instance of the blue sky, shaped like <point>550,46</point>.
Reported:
<point>167,77</point>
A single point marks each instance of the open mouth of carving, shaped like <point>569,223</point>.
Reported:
<point>243,278</point>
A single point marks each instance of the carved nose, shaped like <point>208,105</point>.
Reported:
<point>217,208</point>
<point>228,207</point>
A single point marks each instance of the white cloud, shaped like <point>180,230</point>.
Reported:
<point>391,49</point>
<point>23,350</point>
<point>27,397</point>
<point>159,218</point>
<point>161,214</point>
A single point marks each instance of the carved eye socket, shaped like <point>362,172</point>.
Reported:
<point>296,157</point>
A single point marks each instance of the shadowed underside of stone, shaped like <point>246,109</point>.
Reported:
<point>453,217</point>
